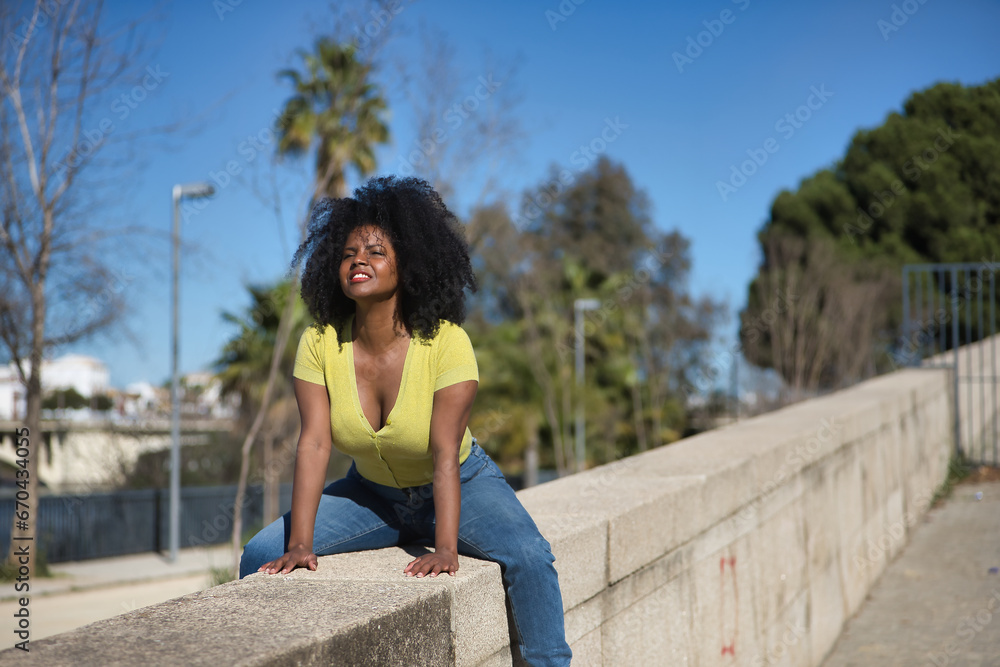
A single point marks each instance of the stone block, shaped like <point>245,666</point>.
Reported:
<point>827,611</point>
<point>587,650</point>
<point>501,658</point>
<point>579,543</point>
<point>355,608</point>
<point>584,618</point>
<point>278,621</point>
<point>652,524</point>
<point>648,632</point>
<point>777,562</point>
<point>643,511</point>
<point>819,509</point>
<point>786,639</point>
<point>727,482</point>
<point>479,631</point>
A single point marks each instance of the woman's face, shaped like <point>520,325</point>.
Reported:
<point>368,265</point>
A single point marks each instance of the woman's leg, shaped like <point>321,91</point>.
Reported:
<point>495,526</point>
<point>350,518</point>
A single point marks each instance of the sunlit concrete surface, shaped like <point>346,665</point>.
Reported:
<point>62,612</point>
<point>939,602</point>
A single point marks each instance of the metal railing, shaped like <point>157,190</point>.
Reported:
<point>947,307</point>
<point>100,525</point>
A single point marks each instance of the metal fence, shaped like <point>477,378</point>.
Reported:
<point>79,527</point>
<point>946,307</point>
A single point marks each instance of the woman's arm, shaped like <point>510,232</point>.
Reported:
<point>311,459</point>
<point>449,418</point>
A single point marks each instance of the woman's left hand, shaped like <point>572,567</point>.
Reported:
<point>433,564</point>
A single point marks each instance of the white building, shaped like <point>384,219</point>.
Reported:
<point>140,398</point>
<point>11,393</point>
<point>205,396</point>
<point>87,375</point>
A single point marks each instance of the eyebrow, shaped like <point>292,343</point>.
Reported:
<point>367,247</point>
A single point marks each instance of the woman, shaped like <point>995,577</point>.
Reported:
<point>387,375</point>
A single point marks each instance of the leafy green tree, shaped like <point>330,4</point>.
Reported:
<point>594,239</point>
<point>69,399</point>
<point>244,367</point>
<point>825,306</point>
<point>245,360</point>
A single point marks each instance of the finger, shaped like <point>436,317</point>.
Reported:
<point>422,565</point>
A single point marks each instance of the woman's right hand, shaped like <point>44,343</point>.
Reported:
<point>297,556</point>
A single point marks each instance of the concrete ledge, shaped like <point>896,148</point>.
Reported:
<point>750,544</point>
<point>355,608</point>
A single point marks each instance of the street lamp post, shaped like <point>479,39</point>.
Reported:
<point>579,306</point>
<point>191,191</point>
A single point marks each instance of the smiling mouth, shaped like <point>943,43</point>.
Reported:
<point>359,278</point>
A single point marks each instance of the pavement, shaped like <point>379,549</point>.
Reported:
<point>82,592</point>
<point>938,603</point>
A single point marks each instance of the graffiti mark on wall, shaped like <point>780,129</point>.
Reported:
<point>729,608</point>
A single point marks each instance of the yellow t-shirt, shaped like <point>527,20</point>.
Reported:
<point>398,454</point>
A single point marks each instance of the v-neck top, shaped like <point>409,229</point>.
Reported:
<point>398,454</point>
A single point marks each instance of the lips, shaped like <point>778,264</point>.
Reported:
<point>358,277</point>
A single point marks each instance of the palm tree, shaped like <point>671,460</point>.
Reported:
<point>337,106</point>
<point>335,110</point>
<point>243,364</point>
<point>243,368</point>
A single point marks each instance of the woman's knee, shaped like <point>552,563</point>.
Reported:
<point>537,551</point>
<point>526,554</point>
<point>251,560</point>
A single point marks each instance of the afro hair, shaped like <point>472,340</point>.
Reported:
<point>431,253</point>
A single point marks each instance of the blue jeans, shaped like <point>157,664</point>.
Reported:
<point>356,514</point>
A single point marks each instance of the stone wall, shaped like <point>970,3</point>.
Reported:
<point>978,396</point>
<point>747,545</point>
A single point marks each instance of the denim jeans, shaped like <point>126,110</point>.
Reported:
<point>356,514</point>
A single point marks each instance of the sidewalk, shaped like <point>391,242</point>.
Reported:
<point>87,591</point>
<point>938,603</point>
<point>120,570</point>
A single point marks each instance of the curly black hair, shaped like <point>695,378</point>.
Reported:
<point>432,256</point>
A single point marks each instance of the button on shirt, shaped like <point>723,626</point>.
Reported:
<point>399,454</point>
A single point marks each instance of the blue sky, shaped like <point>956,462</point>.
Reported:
<point>683,124</point>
